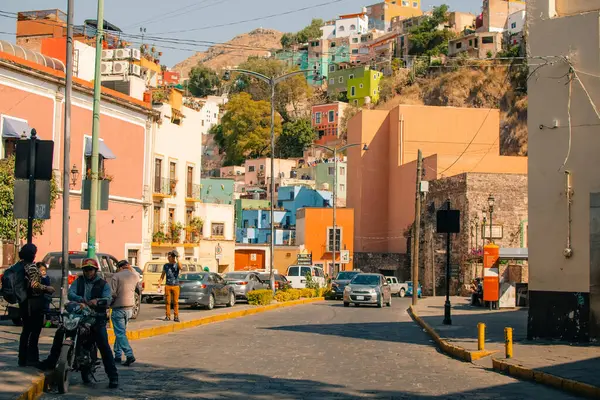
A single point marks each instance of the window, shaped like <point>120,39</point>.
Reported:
<point>476,42</point>
<point>342,171</point>
<point>355,40</point>
<point>458,45</point>
<point>470,42</point>
<point>189,182</point>
<point>156,219</point>
<point>351,76</point>
<point>331,171</point>
<point>404,3</point>
<point>341,79</point>
<point>487,39</point>
<point>331,116</point>
<point>352,27</point>
<point>171,216</point>
<point>172,171</point>
<point>415,4</point>
<point>355,102</point>
<point>342,28</point>
<point>360,86</point>
<point>332,81</point>
<point>354,51</point>
<point>513,25</point>
<point>332,68</point>
<point>330,236</point>
<point>246,223</point>
<point>251,168</point>
<point>261,167</point>
<point>157,174</point>
<point>342,187</point>
<point>217,229</point>
<point>332,44</point>
<point>317,118</point>
<point>202,122</point>
<point>353,91</point>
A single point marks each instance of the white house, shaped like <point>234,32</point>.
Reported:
<point>349,24</point>
<point>211,112</point>
<point>516,22</point>
<point>328,32</point>
<point>217,246</point>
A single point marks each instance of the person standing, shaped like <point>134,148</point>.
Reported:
<point>171,272</point>
<point>32,308</point>
<point>123,285</point>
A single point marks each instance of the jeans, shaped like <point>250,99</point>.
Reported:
<point>172,294</point>
<point>120,317</point>
<point>100,336</point>
<point>32,314</point>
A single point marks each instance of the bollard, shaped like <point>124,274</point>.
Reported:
<point>508,335</point>
<point>480,336</point>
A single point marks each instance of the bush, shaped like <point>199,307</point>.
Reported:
<point>320,292</point>
<point>329,295</point>
<point>260,297</point>
<point>282,296</point>
<point>307,293</point>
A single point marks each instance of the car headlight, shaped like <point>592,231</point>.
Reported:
<point>71,323</point>
<point>376,290</point>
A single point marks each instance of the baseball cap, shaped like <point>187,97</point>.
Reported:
<point>90,263</point>
<point>174,253</point>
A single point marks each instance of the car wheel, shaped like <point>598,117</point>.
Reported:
<point>211,302</point>
<point>346,304</point>
<point>231,301</point>
<point>402,292</point>
<point>136,305</point>
<point>380,301</point>
<point>149,300</point>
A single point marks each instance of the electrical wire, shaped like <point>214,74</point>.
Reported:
<point>174,13</point>
<point>569,122</point>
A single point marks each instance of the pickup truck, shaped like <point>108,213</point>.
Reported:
<point>397,287</point>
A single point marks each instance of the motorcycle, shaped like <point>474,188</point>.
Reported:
<point>78,352</point>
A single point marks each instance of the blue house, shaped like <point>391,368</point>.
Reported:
<point>256,227</point>
<point>293,198</point>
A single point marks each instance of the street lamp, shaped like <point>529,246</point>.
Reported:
<point>335,151</point>
<point>483,229</point>
<point>74,175</point>
<point>491,202</point>
<point>272,82</point>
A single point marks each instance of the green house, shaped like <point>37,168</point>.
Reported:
<point>364,83</point>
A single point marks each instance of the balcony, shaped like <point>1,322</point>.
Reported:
<point>193,193</point>
<point>176,234</point>
<point>164,187</point>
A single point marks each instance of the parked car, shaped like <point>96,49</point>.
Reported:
<point>205,289</point>
<point>398,288</point>
<point>244,282</point>
<point>296,275</point>
<point>107,263</point>
<point>140,272</point>
<point>368,289</point>
<point>151,275</point>
<point>409,290</point>
<point>281,281</point>
<point>341,280</point>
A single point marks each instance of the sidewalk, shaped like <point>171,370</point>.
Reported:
<point>574,362</point>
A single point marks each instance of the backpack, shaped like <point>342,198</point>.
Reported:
<point>15,283</point>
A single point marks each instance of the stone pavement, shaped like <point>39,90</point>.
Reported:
<point>317,351</point>
<point>576,362</point>
<point>15,380</point>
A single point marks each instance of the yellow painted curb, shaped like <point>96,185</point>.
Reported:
<point>35,390</point>
<point>446,347</point>
<point>567,385</point>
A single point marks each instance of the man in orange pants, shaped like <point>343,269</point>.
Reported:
<point>171,272</point>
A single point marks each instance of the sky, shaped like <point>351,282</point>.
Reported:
<point>161,16</point>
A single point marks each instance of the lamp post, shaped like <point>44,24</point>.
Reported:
<point>491,202</point>
<point>483,230</point>
<point>272,82</point>
<point>335,151</point>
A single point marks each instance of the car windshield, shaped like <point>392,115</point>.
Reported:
<point>192,277</point>
<point>365,280</point>
<point>347,275</point>
<point>266,277</point>
<point>55,260</point>
<point>236,275</point>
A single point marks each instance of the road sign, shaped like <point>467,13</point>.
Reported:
<point>43,160</point>
<point>448,221</point>
<point>304,259</point>
<point>42,199</point>
<point>345,256</point>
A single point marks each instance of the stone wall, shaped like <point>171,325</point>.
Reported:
<point>391,264</point>
<point>468,193</point>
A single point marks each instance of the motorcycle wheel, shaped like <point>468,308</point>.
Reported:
<point>61,374</point>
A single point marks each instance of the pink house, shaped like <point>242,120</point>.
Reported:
<point>325,120</point>
<point>33,94</point>
<point>257,171</point>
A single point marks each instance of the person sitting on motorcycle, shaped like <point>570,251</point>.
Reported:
<point>92,290</point>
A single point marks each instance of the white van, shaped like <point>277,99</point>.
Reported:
<point>296,274</point>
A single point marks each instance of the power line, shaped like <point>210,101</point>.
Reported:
<point>173,13</point>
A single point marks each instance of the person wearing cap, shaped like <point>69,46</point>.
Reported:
<point>93,291</point>
<point>171,272</point>
<point>123,285</point>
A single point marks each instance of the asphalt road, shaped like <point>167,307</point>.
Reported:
<point>316,351</point>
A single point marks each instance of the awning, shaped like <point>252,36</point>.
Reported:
<point>14,128</point>
<point>103,149</point>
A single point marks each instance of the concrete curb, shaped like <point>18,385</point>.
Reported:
<point>37,386</point>
<point>447,348</point>
<point>564,384</point>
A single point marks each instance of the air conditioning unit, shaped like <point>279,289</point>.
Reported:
<point>120,67</point>
<point>106,68</point>
<point>135,70</point>
<point>108,54</point>
<point>122,54</point>
<point>136,54</point>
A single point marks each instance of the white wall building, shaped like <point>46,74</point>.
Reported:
<point>217,247</point>
<point>211,112</point>
<point>328,32</point>
<point>350,24</point>
<point>84,61</point>
<point>516,22</point>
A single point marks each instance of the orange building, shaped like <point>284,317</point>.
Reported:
<point>314,231</point>
<point>381,181</point>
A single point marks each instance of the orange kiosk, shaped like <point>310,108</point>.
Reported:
<point>491,276</point>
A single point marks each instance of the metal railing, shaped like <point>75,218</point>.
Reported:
<point>165,186</point>
<point>193,191</point>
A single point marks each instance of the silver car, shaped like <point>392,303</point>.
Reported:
<point>368,289</point>
<point>205,289</point>
<point>244,282</point>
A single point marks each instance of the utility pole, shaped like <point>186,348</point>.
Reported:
<point>447,305</point>
<point>272,83</point>
<point>66,154</point>
<point>335,170</point>
<point>432,260</point>
<point>91,250</point>
<point>417,230</point>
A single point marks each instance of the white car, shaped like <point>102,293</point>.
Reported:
<point>296,274</point>
<point>397,288</point>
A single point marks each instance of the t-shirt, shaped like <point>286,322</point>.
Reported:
<point>172,274</point>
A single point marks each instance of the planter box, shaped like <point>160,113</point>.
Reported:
<point>103,193</point>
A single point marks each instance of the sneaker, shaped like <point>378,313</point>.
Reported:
<point>176,319</point>
<point>113,383</point>
<point>167,319</point>
<point>118,360</point>
<point>129,361</point>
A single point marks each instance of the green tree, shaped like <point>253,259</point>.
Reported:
<point>288,40</point>
<point>312,31</point>
<point>203,81</point>
<point>295,137</point>
<point>7,221</point>
<point>427,38</point>
<point>245,130</point>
